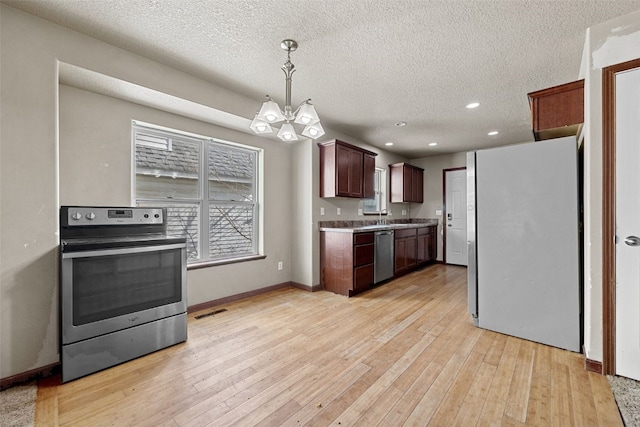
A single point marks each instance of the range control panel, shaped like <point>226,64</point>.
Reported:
<point>83,216</point>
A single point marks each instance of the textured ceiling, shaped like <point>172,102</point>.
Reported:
<point>365,64</point>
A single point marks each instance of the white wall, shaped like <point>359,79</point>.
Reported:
<point>606,44</point>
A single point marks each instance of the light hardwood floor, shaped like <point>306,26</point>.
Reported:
<point>404,353</point>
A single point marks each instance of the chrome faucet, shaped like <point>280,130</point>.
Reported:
<point>380,220</point>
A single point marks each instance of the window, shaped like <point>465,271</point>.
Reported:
<point>209,187</point>
<point>379,202</point>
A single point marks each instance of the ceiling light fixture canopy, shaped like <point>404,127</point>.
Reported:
<point>270,111</point>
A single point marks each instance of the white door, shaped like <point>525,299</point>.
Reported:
<point>455,220</point>
<point>628,224</point>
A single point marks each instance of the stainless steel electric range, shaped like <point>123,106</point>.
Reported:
<point>122,286</point>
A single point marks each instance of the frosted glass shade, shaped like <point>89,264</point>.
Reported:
<point>287,133</point>
<point>259,125</point>
<point>313,131</point>
<point>307,115</point>
<point>270,112</point>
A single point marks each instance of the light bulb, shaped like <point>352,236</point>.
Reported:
<point>305,120</point>
<point>287,132</point>
<point>313,131</point>
<point>270,117</point>
<point>262,128</point>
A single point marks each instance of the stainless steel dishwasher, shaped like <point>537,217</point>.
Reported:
<point>383,263</point>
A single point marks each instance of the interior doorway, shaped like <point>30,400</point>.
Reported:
<point>454,223</point>
<point>612,271</point>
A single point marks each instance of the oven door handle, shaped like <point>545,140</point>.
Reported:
<point>122,251</point>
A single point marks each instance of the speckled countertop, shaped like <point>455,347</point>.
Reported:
<point>371,225</point>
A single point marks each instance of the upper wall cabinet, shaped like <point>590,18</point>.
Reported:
<point>406,182</point>
<point>346,170</point>
<point>557,111</point>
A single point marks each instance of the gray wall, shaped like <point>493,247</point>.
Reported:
<point>433,197</point>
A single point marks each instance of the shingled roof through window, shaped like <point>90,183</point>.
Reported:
<point>182,158</point>
<point>225,163</point>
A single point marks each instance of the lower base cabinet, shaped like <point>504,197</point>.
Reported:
<point>427,246</point>
<point>346,259</point>
<point>405,251</point>
<point>346,262</point>
<point>414,247</point>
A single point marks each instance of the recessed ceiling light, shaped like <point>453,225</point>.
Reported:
<point>493,132</point>
<point>433,144</point>
<point>400,124</point>
<point>473,105</point>
<point>388,144</point>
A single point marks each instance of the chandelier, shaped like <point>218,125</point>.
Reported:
<point>270,112</point>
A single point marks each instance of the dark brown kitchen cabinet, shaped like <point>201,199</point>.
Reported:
<point>346,170</point>
<point>406,182</point>
<point>405,252</point>
<point>557,111</point>
<point>427,245</point>
<point>346,262</point>
<point>369,179</point>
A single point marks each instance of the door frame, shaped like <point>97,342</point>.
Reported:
<point>609,212</point>
<point>444,209</point>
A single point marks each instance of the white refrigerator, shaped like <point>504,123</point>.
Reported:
<point>524,273</point>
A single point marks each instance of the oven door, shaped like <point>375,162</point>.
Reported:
<point>103,291</point>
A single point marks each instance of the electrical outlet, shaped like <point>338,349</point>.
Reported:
<point>280,265</point>
<point>321,211</point>
<point>404,211</point>
<point>438,212</point>
<point>359,212</point>
<point>338,211</point>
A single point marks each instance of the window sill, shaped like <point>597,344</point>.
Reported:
<point>204,264</point>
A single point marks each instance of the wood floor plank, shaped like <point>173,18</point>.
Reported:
<point>403,353</point>
<point>561,405</point>
<point>266,402</point>
<point>316,402</point>
<point>518,401</point>
<point>457,393</point>
<point>494,353</point>
<point>538,410</point>
<point>604,403</point>
<point>428,405</point>
<point>383,384</point>
<point>398,414</point>
<point>469,409</point>
<point>493,410</point>
<point>47,412</point>
<point>379,409</point>
<point>580,391</point>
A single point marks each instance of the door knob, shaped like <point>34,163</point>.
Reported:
<point>632,241</point>
<point>449,225</point>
